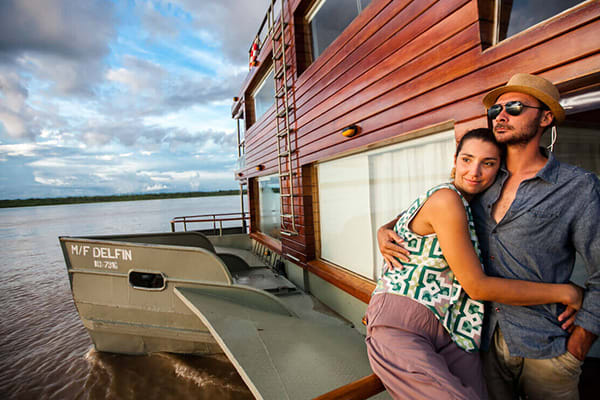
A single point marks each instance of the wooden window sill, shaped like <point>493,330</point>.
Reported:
<point>349,282</point>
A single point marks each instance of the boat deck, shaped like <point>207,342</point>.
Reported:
<point>303,349</point>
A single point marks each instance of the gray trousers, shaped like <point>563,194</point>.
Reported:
<point>414,356</point>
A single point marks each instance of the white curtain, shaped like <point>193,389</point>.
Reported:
<point>359,193</point>
<point>400,174</point>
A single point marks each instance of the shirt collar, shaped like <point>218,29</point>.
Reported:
<point>549,172</point>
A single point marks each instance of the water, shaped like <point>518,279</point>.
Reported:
<point>46,353</point>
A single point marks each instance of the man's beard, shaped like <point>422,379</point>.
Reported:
<point>522,137</point>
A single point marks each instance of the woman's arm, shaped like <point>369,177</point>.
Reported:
<point>445,214</point>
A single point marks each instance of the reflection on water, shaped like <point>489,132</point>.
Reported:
<point>160,376</point>
<point>46,353</point>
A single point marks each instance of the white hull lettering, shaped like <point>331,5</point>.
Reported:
<point>79,250</point>
<point>112,254</point>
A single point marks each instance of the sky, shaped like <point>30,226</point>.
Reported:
<point>101,97</point>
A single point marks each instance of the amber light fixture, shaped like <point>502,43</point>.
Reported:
<point>260,167</point>
<point>350,131</point>
<point>236,98</point>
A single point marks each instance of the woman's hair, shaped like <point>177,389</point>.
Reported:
<point>485,134</point>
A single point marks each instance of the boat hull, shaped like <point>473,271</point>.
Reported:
<point>128,319</point>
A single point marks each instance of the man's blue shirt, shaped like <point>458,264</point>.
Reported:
<point>554,215</point>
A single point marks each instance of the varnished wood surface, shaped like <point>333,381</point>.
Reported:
<point>357,390</point>
<point>402,66</point>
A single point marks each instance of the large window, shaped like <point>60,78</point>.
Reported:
<point>514,16</point>
<point>328,18</point>
<point>264,95</point>
<point>269,206</point>
<point>359,193</point>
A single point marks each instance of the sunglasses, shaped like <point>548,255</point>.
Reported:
<point>511,107</point>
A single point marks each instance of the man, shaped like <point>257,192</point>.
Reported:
<point>530,223</point>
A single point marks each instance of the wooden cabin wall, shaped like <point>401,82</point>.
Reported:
<point>404,65</point>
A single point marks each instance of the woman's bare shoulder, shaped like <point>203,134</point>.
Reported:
<point>444,198</point>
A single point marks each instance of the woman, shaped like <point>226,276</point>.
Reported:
<point>424,320</point>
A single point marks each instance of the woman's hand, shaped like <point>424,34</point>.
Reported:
<point>575,296</point>
<point>390,248</point>
<point>573,303</point>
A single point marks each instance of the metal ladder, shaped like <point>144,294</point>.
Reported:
<point>280,31</point>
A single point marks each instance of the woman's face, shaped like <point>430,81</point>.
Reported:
<point>476,167</point>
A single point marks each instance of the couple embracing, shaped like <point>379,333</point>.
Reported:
<point>483,263</point>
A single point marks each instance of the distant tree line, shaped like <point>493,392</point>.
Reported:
<point>98,199</point>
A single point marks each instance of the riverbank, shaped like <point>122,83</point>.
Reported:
<point>52,201</point>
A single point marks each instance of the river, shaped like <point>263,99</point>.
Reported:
<point>45,352</point>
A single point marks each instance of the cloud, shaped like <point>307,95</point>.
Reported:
<point>15,114</point>
<point>51,181</point>
<point>101,97</point>
<point>139,75</point>
<point>230,23</point>
<point>20,149</point>
<point>155,188</point>
<point>72,29</point>
<point>63,41</point>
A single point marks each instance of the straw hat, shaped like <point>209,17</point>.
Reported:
<point>533,85</point>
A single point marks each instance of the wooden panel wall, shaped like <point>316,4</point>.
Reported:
<point>403,65</point>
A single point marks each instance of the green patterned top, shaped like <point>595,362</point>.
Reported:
<point>429,280</point>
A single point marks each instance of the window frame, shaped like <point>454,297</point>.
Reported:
<point>496,13</point>
<point>270,70</point>
<point>308,17</point>
<point>426,136</point>
<point>259,215</point>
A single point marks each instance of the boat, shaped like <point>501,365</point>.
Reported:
<point>346,114</point>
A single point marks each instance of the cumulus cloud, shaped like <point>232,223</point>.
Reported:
<point>20,149</point>
<point>139,75</point>
<point>155,188</point>
<point>73,29</point>
<point>94,93</point>
<point>65,41</point>
<point>231,23</point>
<point>14,112</point>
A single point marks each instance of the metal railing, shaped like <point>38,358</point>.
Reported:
<point>216,220</point>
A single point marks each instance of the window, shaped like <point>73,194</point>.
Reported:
<point>328,18</point>
<point>578,140</point>
<point>269,206</point>
<point>264,95</point>
<point>241,129</point>
<point>359,193</point>
<point>514,16</point>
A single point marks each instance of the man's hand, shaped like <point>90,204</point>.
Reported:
<point>390,245</point>
<point>579,342</point>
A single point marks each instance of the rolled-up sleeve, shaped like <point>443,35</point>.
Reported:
<point>586,240</point>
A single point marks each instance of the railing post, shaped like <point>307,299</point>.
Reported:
<point>172,226</point>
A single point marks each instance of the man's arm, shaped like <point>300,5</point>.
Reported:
<point>389,245</point>
<point>586,240</point>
